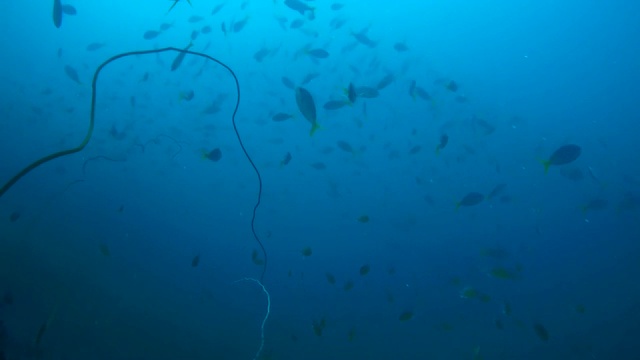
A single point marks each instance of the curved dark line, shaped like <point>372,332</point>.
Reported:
<point>87,137</point>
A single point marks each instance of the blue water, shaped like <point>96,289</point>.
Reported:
<point>98,248</point>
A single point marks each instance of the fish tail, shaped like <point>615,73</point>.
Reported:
<point>546,164</point>
<point>314,127</point>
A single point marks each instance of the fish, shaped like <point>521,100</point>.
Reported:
<point>95,46</point>
<point>175,3</point>
<point>400,47</point>
<point>452,86</point>
<point>195,261</point>
<point>238,26</point>
<point>256,259</point>
<point>296,24</point>
<point>318,326</point>
<point>363,39</point>
<point>406,316</point>
<point>261,54</point>
<point>385,81</point>
<point>319,166</point>
<point>318,53</point>
<point>178,60</point>
<point>367,92</point>
<point>345,146</point>
<point>195,18</point>
<point>307,107</point>
<point>594,204</point>
<point>186,95</point>
<point>14,216</point>
<point>57,13</point>
<point>288,83</point>
<point>414,150</point>
<point>104,249</point>
<point>217,8</point>
<point>286,160</point>
<point>497,190</point>
<point>150,34</point>
<point>72,74</point>
<point>194,34</point>
<point>306,252</point>
<point>205,29</point>
<point>334,104</point>
<point>301,7</point>
<point>444,140</point>
<point>364,269</point>
<point>352,95</point>
<point>563,155</point>
<point>330,278</point>
<point>69,10</point>
<point>307,79</point>
<point>214,155</point>
<point>348,285</point>
<point>541,331</point>
<point>363,219</point>
<point>471,199</point>
<point>281,117</point>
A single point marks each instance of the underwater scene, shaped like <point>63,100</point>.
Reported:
<point>311,179</point>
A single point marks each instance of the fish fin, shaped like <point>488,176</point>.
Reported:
<point>172,6</point>
<point>314,128</point>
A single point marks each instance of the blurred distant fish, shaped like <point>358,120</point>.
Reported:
<point>178,60</point>
<point>471,199</point>
<point>150,34</point>
<point>286,160</point>
<point>334,104</point>
<point>385,81</point>
<point>72,74</point>
<point>217,8</point>
<point>288,83</point>
<point>214,155</point>
<point>57,13</point>
<point>195,18</point>
<point>444,140</point>
<point>175,2</point>
<point>95,46</point>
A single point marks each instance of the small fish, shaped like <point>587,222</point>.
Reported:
<point>363,219</point>
<point>69,10</point>
<point>95,46</point>
<point>150,34</point>
<point>195,18</point>
<point>307,107</point>
<point>14,216</point>
<point>205,29</point>
<point>334,104</point>
<point>348,285</point>
<point>471,199</point>
<point>330,278</point>
<point>301,7</point>
<point>175,3</point>
<point>563,155</point>
<point>256,258</point>
<point>406,316</point>
<point>178,60</point>
<point>281,117</point>
<point>444,140</point>
<point>364,269</point>
<point>541,331</point>
<point>296,24</point>
<point>345,146</point>
<point>400,47</point>
<point>318,53</point>
<point>214,155</point>
<point>367,92</point>
<point>306,252</point>
<point>452,86</point>
<point>286,160</point>
<point>104,250</point>
<point>72,74</point>
<point>217,8</point>
<point>385,81</point>
<point>186,96</point>
<point>319,165</point>
<point>195,261</point>
<point>238,26</point>
<point>288,83</point>
<point>414,150</point>
<point>57,13</point>
<point>497,190</point>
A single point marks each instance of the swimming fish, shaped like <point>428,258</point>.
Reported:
<point>178,60</point>
<point>301,7</point>
<point>563,155</point>
<point>214,155</point>
<point>72,74</point>
<point>444,140</point>
<point>471,199</point>
<point>307,107</point>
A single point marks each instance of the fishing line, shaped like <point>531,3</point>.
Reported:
<point>87,137</point>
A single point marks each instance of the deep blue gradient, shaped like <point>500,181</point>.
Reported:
<point>97,248</point>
